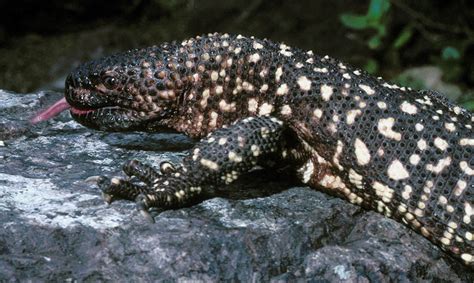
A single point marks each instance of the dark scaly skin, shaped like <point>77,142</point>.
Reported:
<point>405,154</point>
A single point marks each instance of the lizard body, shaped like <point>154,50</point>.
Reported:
<point>405,154</point>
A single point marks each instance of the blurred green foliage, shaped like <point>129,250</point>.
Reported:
<point>373,19</point>
<point>450,52</point>
<point>375,26</point>
<point>403,37</point>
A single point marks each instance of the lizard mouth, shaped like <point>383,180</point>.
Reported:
<point>100,115</point>
<point>79,112</point>
<point>107,118</point>
<point>91,109</point>
<point>110,118</point>
<point>75,110</point>
<point>107,109</point>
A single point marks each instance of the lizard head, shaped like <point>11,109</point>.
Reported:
<point>135,90</point>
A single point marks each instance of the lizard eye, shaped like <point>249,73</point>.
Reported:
<point>110,82</point>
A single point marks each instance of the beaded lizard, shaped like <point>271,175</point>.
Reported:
<point>405,154</point>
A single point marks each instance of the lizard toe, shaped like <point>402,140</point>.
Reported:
<point>167,167</point>
<point>142,207</point>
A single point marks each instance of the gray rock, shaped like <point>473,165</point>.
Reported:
<point>55,227</point>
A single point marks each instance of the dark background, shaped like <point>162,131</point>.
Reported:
<point>41,41</point>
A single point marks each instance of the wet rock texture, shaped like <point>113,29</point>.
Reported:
<point>55,227</point>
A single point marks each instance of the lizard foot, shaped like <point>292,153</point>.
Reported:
<point>116,188</point>
<point>163,189</point>
<point>140,177</point>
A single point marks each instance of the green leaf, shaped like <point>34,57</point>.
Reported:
<point>169,4</point>
<point>354,21</point>
<point>371,66</point>
<point>409,81</point>
<point>381,30</point>
<point>377,8</point>
<point>469,105</point>
<point>403,37</point>
<point>374,42</point>
<point>450,52</point>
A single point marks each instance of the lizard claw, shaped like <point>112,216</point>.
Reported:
<point>147,216</point>
<point>143,208</point>
<point>108,198</point>
<point>100,181</point>
<point>115,188</point>
<point>92,179</point>
<point>167,167</point>
<point>105,185</point>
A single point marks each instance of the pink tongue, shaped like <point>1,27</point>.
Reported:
<point>52,111</point>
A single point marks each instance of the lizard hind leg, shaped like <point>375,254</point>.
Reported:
<point>318,173</point>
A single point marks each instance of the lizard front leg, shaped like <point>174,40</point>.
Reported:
<point>217,159</point>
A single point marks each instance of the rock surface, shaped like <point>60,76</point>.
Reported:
<point>55,227</point>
